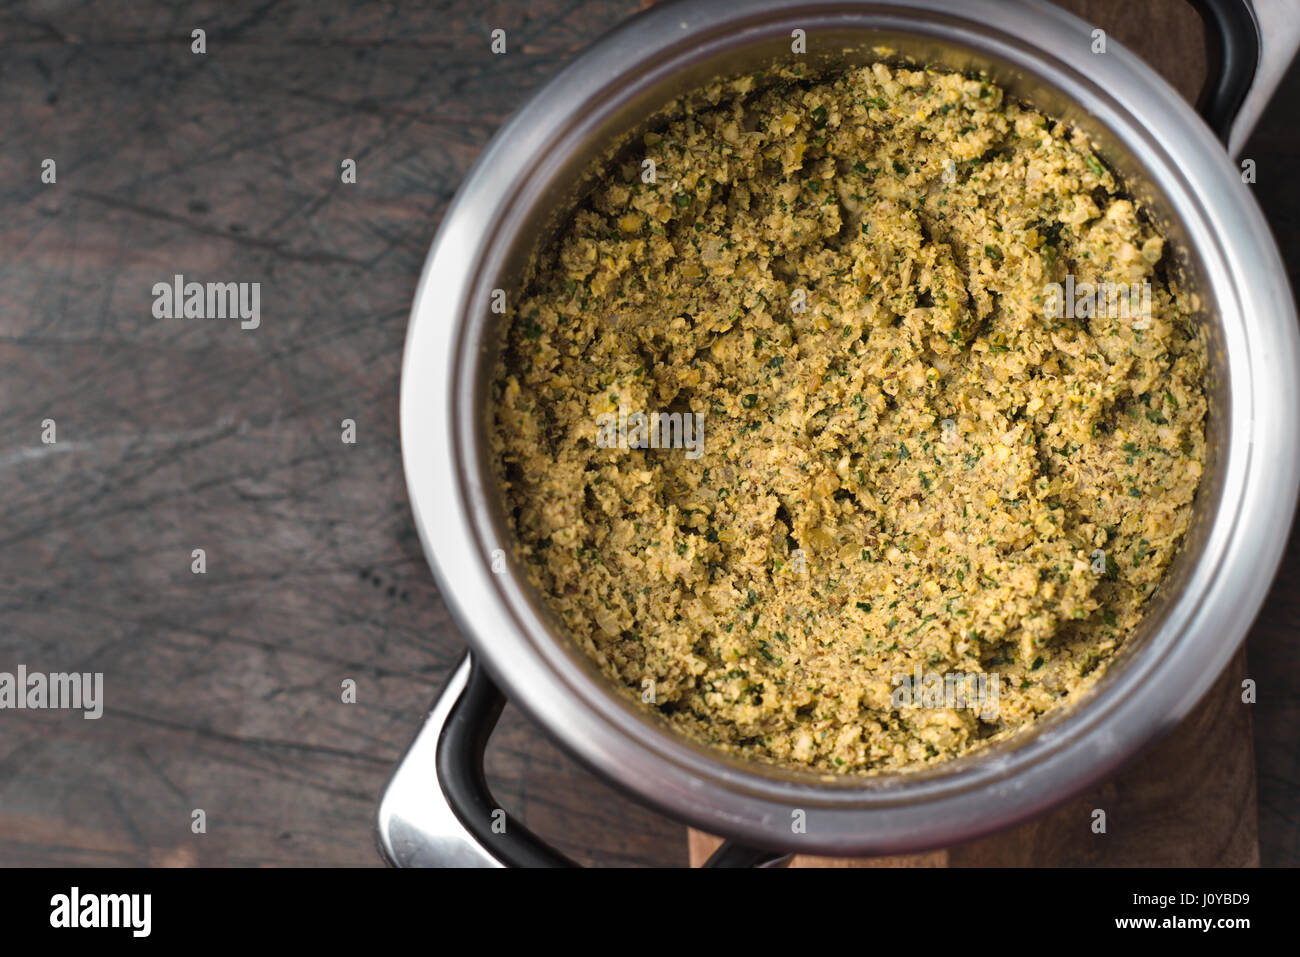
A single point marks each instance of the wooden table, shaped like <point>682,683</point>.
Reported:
<point>223,689</point>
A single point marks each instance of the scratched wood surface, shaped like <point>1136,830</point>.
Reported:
<point>223,689</point>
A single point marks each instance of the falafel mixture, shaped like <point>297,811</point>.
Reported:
<point>913,461</point>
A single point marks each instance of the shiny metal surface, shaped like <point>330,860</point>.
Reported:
<point>532,169</point>
<point>1278,24</point>
<point>415,826</point>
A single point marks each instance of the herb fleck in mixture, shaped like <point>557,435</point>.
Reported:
<point>907,461</point>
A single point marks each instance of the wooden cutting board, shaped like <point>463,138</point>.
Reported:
<point>1188,801</point>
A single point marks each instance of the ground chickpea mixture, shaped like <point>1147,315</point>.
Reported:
<point>908,462</point>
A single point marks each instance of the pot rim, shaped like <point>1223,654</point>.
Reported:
<point>1205,622</point>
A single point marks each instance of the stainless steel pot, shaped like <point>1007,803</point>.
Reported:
<point>437,809</point>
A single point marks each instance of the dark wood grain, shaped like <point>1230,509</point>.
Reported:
<point>223,690</point>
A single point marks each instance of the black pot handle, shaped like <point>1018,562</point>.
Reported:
<point>1232,54</point>
<point>437,810</point>
<point>731,854</point>
<point>464,784</point>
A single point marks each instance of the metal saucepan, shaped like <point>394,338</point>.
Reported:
<point>437,809</point>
